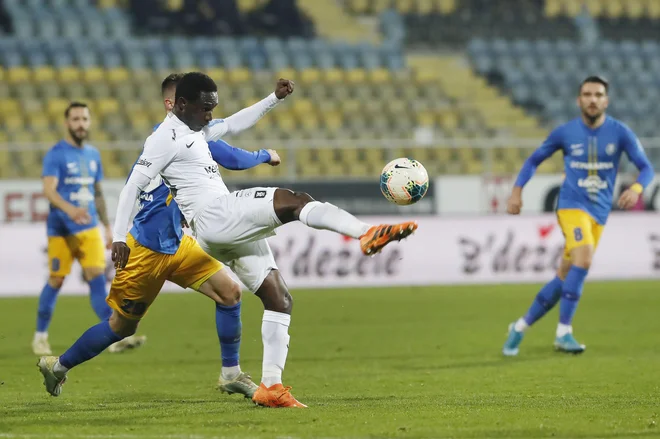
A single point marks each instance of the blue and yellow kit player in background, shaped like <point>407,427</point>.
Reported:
<point>72,174</point>
<point>592,146</point>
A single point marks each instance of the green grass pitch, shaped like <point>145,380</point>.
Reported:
<point>395,362</point>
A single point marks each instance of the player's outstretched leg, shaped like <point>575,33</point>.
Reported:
<point>278,304</point>
<point>47,300</point>
<point>93,341</point>
<point>290,206</point>
<point>226,294</point>
<point>545,300</point>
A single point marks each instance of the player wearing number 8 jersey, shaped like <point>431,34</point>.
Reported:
<point>592,146</point>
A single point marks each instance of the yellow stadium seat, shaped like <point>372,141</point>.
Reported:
<point>68,75</point>
<point>446,6</point>
<point>22,137</point>
<point>303,106</point>
<point>356,76</point>
<point>613,8</point>
<point>333,120</point>
<point>634,8</point>
<point>425,119</point>
<point>107,4</point>
<point>285,121</point>
<point>333,76</point>
<point>107,106</point>
<point>18,75</point>
<point>43,74</point>
<point>238,75</point>
<point>553,8</point>
<point>100,136</point>
<point>3,74</point>
<point>310,76</point>
<point>248,5</point>
<point>217,74</point>
<point>404,6</point>
<point>93,74</point>
<point>378,6</point>
<point>9,107</point>
<point>425,7</point>
<point>653,9</point>
<point>56,107</point>
<point>358,6</point>
<point>379,76</point>
<point>117,75</point>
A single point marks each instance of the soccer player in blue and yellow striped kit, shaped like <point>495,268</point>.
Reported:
<point>592,146</point>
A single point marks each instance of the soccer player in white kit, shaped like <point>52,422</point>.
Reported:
<point>232,226</point>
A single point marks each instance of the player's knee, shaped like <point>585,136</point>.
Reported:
<point>122,326</point>
<point>583,262</point>
<point>274,294</point>
<point>288,204</point>
<point>229,296</point>
<point>55,282</point>
<point>92,273</point>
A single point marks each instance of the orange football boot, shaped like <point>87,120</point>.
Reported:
<point>275,396</point>
<point>378,237</point>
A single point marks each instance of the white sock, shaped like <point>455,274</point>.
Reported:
<point>562,329</point>
<point>326,216</point>
<point>41,335</point>
<point>275,337</point>
<point>231,372</point>
<point>59,370</point>
<point>520,325</point>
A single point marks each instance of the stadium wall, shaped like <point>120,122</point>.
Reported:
<point>489,249</point>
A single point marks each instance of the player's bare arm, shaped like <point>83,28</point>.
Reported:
<point>79,215</point>
<point>102,209</point>
<point>514,204</point>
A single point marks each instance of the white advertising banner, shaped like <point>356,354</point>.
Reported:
<point>476,250</point>
<point>477,195</point>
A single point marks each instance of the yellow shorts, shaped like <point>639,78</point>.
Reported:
<point>579,228</point>
<point>135,287</point>
<point>86,246</point>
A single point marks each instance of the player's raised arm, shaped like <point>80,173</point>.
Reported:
<point>50,176</point>
<point>237,159</point>
<point>158,152</point>
<point>633,148</point>
<point>543,152</point>
<point>247,117</point>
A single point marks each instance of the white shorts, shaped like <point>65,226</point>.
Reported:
<point>233,229</point>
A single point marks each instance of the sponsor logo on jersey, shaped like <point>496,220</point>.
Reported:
<point>260,194</point>
<point>593,183</point>
<point>146,197</point>
<point>610,149</point>
<point>143,162</point>
<point>79,180</point>
<point>597,166</point>
<point>93,166</point>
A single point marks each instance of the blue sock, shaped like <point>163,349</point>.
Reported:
<point>571,293</point>
<point>89,345</point>
<point>545,300</point>
<point>228,324</point>
<point>47,301</point>
<point>97,295</point>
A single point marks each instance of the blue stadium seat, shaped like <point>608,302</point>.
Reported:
<point>302,61</point>
<point>61,59</point>
<point>137,61</point>
<point>111,60</point>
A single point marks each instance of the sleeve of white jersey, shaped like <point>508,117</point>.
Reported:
<point>123,219</point>
<point>159,151</point>
<point>242,120</point>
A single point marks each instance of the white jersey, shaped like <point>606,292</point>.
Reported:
<point>182,157</point>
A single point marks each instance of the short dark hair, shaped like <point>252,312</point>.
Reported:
<point>172,80</point>
<point>193,84</point>
<point>74,104</point>
<point>595,80</point>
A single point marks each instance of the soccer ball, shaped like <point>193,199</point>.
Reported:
<point>404,181</point>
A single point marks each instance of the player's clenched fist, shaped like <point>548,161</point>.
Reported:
<point>274,157</point>
<point>514,204</point>
<point>283,88</point>
<point>120,253</point>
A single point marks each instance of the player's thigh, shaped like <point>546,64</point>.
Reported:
<point>577,227</point>
<point>242,216</point>
<point>135,287</point>
<point>60,256</point>
<point>251,262</point>
<point>90,248</point>
<point>191,265</point>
